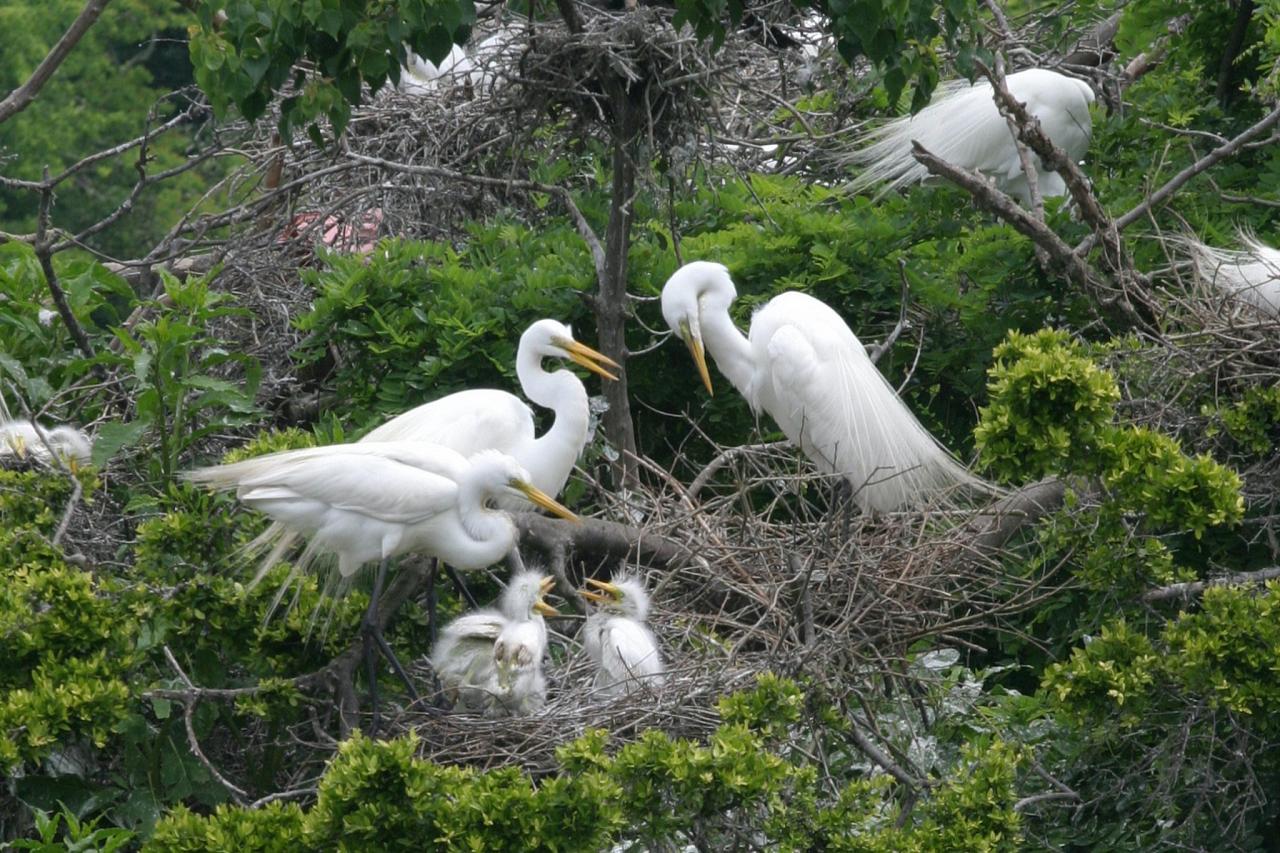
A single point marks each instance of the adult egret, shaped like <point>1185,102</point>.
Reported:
<point>805,367</point>
<point>963,126</point>
<point>491,660</point>
<point>376,501</point>
<point>23,438</point>
<point>616,639</point>
<point>1251,275</point>
<point>487,419</point>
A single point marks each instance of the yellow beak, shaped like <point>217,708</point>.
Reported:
<point>613,593</point>
<point>547,584</point>
<point>699,357</point>
<point>544,500</point>
<point>545,609</point>
<point>590,359</point>
<point>595,597</point>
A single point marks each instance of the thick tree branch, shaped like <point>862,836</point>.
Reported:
<point>20,98</point>
<point>599,540</point>
<point>1191,589</point>
<point>992,528</point>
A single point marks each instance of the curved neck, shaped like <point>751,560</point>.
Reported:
<point>489,529</point>
<point>727,345</point>
<point>560,446</point>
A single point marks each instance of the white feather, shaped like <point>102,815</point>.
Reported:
<point>806,368</point>
<point>963,126</point>
<point>1251,275</point>
<point>22,438</point>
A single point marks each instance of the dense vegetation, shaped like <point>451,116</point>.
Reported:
<point>1104,679</point>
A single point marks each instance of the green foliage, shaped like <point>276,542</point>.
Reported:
<point>177,369</point>
<point>80,837</point>
<point>733,792</point>
<point>254,47</point>
<point>1253,421</point>
<point>1149,472</point>
<point>109,88</point>
<point>1050,406</point>
<point>418,320</point>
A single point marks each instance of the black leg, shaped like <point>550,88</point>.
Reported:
<point>515,561</point>
<point>462,587</point>
<point>433,568</point>
<point>374,640</point>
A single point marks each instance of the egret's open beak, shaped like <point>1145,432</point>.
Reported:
<point>545,609</point>
<point>594,597</point>
<point>547,584</point>
<point>590,359</point>
<point>544,500</point>
<point>699,356</point>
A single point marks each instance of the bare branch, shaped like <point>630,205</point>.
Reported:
<point>877,352</point>
<point>20,98</point>
<point>1190,589</point>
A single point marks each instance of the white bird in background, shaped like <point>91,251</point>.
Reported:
<point>376,501</point>
<point>616,639</point>
<point>421,76</point>
<point>22,439</point>
<point>804,366</point>
<point>1251,275</point>
<point>963,126</point>
<point>491,660</point>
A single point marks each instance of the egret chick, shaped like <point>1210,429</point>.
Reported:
<point>805,367</point>
<point>23,438</point>
<point>490,661</point>
<point>963,126</point>
<point>616,639</point>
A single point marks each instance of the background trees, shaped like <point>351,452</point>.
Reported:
<point>1096,675</point>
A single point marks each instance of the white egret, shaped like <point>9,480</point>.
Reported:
<point>491,660</point>
<point>487,419</point>
<point>419,76</point>
<point>376,501</point>
<point>804,366</point>
<point>963,126</point>
<point>23,438</point>
<point>616,639</point>
<point>1251,275</point>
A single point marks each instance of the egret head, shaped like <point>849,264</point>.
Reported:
<point>551,339</point>
<point>696,286</point>
<point>625,596</point>
<point>498,475</point>
<point>70,443</point>
<point>525,595</point>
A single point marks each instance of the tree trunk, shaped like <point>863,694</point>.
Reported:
<point>611,303</point>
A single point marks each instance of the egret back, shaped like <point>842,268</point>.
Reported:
<point>467,422</point>
<point>815,379</point>
<point>963,126</point>
<point>1252,275</point>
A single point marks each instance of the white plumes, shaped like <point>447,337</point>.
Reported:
<point>376,501</point>
<point>806,368</point>
<point>963,126</point>
<point>421,76</point>
<point>490,661</point>
<point>1251,275</point>
<point>615,637</point>
<point>23,439</point>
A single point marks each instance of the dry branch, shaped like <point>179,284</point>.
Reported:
<point>20,98</point>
